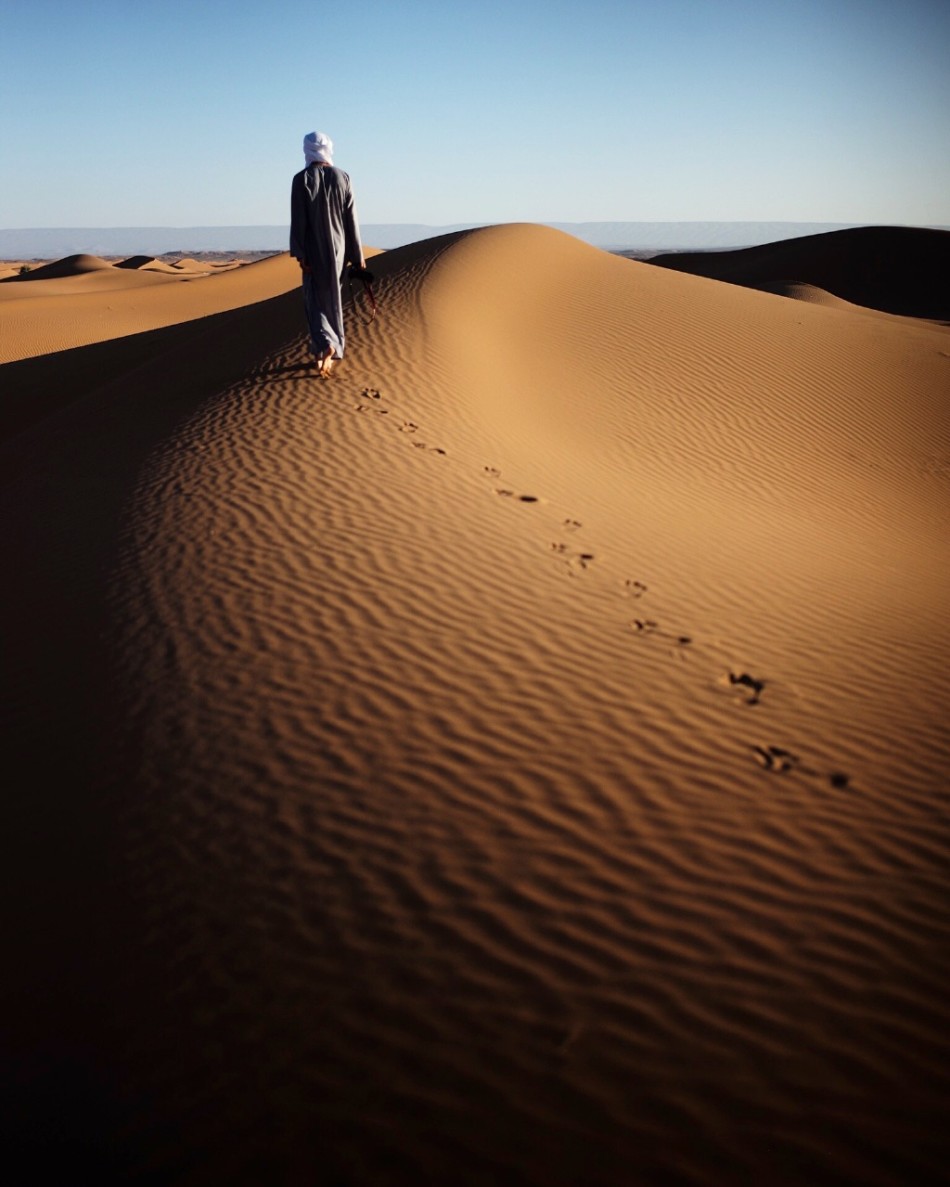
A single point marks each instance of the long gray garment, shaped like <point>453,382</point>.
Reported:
<point>325,235</point>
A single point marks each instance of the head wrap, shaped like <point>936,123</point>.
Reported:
<point>318,147</point>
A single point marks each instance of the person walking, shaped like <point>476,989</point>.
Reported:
<point>324,239</point>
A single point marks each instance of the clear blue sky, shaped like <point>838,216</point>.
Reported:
<point>119,113</point>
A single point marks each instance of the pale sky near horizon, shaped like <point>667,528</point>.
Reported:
<point>186,114</point>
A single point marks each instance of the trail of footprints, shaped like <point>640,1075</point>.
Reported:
<point>369,394</point>
<point>774,760</point>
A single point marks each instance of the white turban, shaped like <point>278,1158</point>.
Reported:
<point>317,146</point>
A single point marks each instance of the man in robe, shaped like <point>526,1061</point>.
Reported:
<point>324,239</point>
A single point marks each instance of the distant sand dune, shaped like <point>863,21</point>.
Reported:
<point>519,759</point>
<point>189,265</point>
<point>899,270</point>
<point>137,262</point>
<point>150,264</point>
<point>75,265</point>
<point>67,304</point>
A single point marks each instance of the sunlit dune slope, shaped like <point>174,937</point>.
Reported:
<point>68,304</point>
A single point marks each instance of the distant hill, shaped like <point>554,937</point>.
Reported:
<point>56,242</point>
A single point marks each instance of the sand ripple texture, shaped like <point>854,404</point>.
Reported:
<point>519,759</point>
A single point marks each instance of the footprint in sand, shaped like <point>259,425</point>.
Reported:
<point>776,759</point>
<point>634,589</point>
<point>575,560</point>
<point>780,761</point>
<point>750,684</point>
<point>511,494</point>
<point>506,492</point>
<point>370,393</point>
<point>649,626</point>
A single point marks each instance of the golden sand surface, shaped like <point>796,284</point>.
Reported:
<point>520,758</point>
<point>84,299</point>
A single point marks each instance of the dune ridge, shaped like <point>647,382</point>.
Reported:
<point>520,758</point>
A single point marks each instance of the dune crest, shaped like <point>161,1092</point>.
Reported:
<point>519,758</point>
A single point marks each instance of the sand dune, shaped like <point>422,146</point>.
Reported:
<point>137,262</point>
<point>520,759</point>
<point>67,304</point>
<point>189,265</point>
<point>177,267</point>
<point>149,264</point>
<point>75,265</point>
<point>900,270</point>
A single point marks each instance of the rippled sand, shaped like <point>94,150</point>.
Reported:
<point>519,759</point>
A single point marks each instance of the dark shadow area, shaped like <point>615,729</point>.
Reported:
<point>134,262</point>
<point>88,421</point>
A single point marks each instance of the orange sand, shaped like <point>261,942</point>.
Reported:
<point>519,759</point>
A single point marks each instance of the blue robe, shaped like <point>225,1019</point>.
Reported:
<point>324,234</point>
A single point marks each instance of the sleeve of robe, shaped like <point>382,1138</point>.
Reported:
<point>298,218</point>
<point>351,227</point>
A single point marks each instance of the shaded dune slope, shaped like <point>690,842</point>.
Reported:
<point>518,760</point>
<point>900,270</point>
<point>137,262</point>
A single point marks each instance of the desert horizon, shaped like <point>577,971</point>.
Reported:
<point>52,243</point>
<point>520,758</point>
